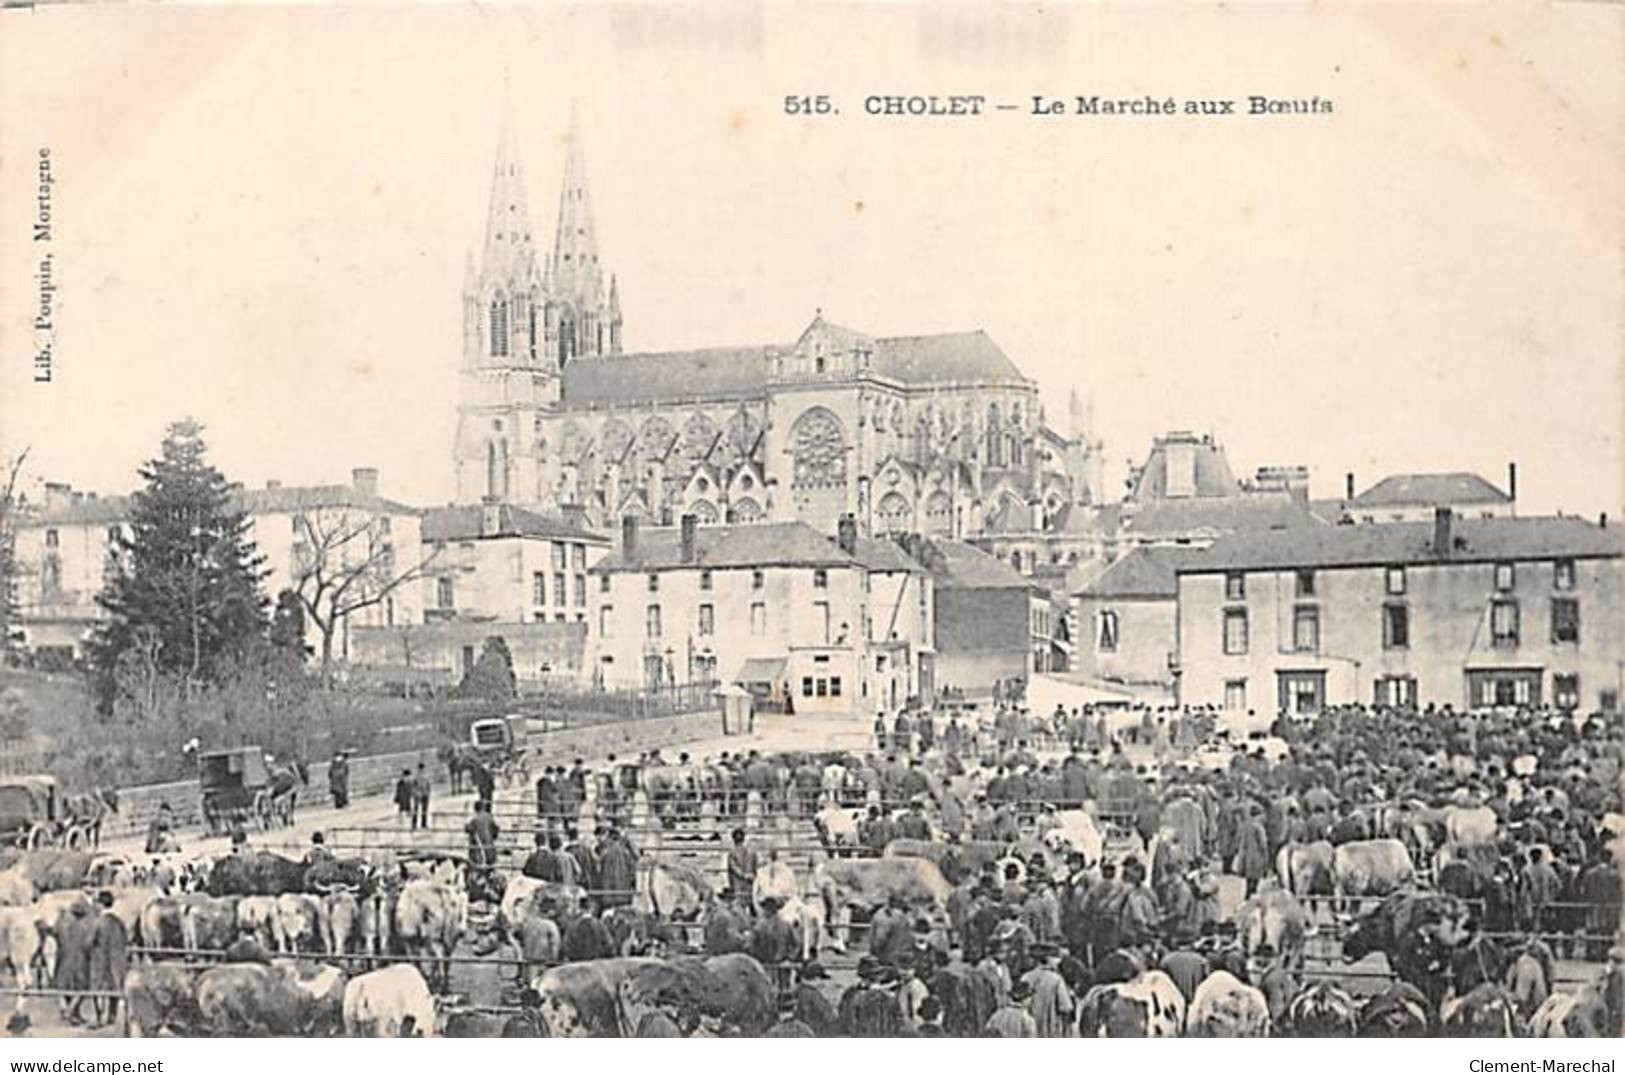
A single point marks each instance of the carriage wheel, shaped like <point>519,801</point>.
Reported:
<point>38,836</point>
<point>77,838</point>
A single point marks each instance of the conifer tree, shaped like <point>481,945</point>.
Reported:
<point>186,577</point>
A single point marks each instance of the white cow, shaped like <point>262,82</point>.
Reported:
<point>394,1002</point>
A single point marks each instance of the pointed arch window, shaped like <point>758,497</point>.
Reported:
<point>499,327</point>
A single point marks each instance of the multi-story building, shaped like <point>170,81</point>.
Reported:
<point>305,533</point>
<point>806,622</point>
<point>493,570</point>
<point>500,563</point>
<point>1126,623</point>
<point>1413,498</point>
<point>1465,612</point>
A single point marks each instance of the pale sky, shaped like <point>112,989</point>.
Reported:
<point>262,217</point>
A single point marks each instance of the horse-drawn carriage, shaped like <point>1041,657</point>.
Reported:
<point>240,785</point>
<point>32,813</point>
<point>498,744</point>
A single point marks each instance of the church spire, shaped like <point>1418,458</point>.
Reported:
<point>508,250</point>
<point>575,272</point>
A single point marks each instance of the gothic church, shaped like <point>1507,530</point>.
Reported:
<point>939,434</point>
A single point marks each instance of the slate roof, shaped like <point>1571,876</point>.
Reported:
<point>958,565</point>
<point>1147,571</point>
<point>879,554</point>
<point>1373,544</point>
<point>792,544</point>
<point>745,371</point>
<point>465,522</point>
<point>1439,489</point>
<point>1240,511</point>
<point>98,510</point>
<point>1213,475</point>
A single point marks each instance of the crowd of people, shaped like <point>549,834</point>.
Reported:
<point>1030,933</point>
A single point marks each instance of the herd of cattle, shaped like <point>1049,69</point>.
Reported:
<point>257,943</point>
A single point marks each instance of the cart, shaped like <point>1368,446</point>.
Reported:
<point>499,745</point>
<point>236,787</point>
<point>31,813</point>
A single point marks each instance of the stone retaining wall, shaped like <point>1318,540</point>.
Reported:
<point>375,775</point>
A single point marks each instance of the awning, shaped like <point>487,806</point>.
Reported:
<point>762,670</point>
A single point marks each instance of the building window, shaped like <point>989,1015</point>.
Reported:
<point>1306,629</point>
<point>757,579</point>
<point>1565,619</point>
<point>1505,577</point>
<point>834,686</point>
<point>654,583</point>
<point>558,556</point>
<point>603,584</point>
<point>52,538</point>
<point>1306,583</point>
<point>606,616</point>
<point>1396,627</point>
<point>1235,631</point>
<point>707,620</point>
<point>1235,586</point>
<point>821,619</point>
<point>578,557</point>
<point>538,588</point>
<point>1396,581</point>
<point>581,590</point>
<point>446,592</point>
<point>1235,695</point>
<point>559,593</point>
<point>1396,692</point>
<point>1108,632</point>
<point>1504,622</point>
<point>1566,692</point>
<point>823,687</point>
<point>758,619</point>
<point>705,580</point>
<point>651,622</point>
<point>806,686</point>
<point>1608,701</point>
<point>820,578</point>
<point>1563,575</point>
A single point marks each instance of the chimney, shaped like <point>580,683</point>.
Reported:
<point>1602,520</point>
<point>364,480</point>
<point>690,523</point>
<point>629,536</point>
<point>846,534</point>
<point>1512,481</point>
<point>490,516</point>
<point>273,483</point>
<point>1348,486</point>
<point>1442,539</point>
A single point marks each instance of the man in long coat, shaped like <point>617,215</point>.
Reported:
<point>617,870</point>
<point>74,930</point>
<point>1052,1002</point>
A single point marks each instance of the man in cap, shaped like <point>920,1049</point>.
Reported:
<point>1052,1003</point>
<point>742,865</point>
<point>1012,1020</point>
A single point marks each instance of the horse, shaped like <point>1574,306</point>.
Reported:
<point>286,780</point>
<point>460,760</point>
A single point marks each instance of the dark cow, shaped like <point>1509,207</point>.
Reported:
<point>289,998</point>
<point>1418,933</point>
<point>747,991</point>
<point>255,873</point>
<point>160,997</point>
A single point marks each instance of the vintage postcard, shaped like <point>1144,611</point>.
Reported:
<point>765,520</point>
